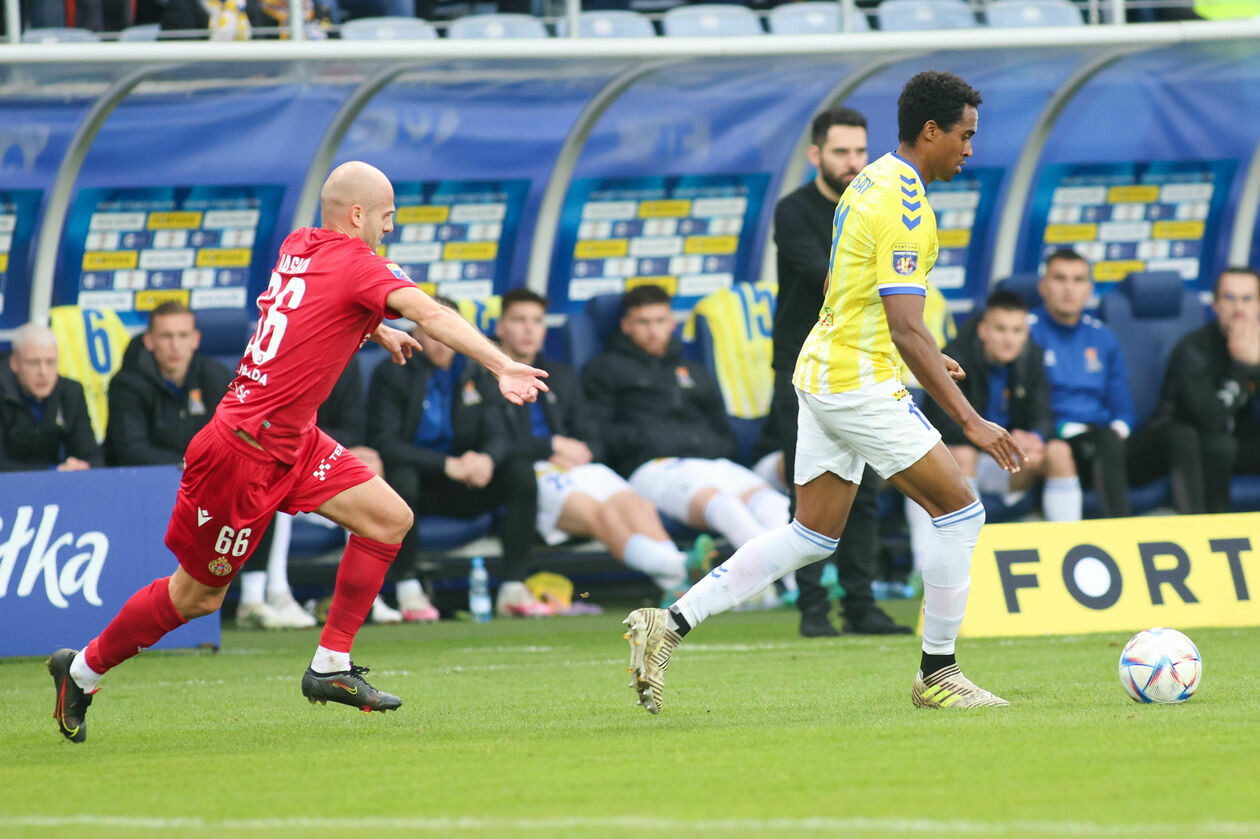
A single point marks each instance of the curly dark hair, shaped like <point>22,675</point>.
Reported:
<point>932,95</point>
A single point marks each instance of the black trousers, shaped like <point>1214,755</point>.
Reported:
<point>1204,462</point>
<point>513,487</point>
<point>858,552</point>
<point>1111,465</point>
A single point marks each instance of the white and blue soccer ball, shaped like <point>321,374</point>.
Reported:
<point>1160,665</point>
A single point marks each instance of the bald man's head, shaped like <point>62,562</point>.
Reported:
<point>358,200</point>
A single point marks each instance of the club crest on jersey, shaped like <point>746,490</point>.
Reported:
<point>220,567</point>
<point>471,395</point>
<point>1092,363</point>
<point>905,259</point>
<point>397,271</point>
<point>684,377</point>
<point>196,405</point>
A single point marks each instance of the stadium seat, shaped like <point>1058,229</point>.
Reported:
<point>707,21</point>
<point>387,29</point>
<point>609,24</point>
<point>1149,312</point>
<point>916,15</point>
<point>59,35</point>
<point>224,333</point>
<point>142,32</point>
<point>812,17</point>
<point>497,26</point>
<point>1014,13</point>
<point>587,331</point>
<point>1025,285</point>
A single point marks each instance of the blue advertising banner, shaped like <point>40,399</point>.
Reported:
<point>455,238</point>
<point>1126,217</point>
<point>17,223</point>
<point>133,249</point>
<point>74,546</point>
<point>690,234</point>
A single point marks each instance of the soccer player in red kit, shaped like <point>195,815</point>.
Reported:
<point>261,452</point>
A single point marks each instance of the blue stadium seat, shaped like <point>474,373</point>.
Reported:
<point>141,32</point>
<point>711,20</point>
<point>224,334</point>
<point>812,17</point>
<point>59,35</point>
<point>1025,285</point>
<point>1016,13</point>
<point>387,29</point>
<point>609,24</point>
<point>1149,312</point>
<point>587,331</point>
<point>917,15</point>
<point>497,26</point>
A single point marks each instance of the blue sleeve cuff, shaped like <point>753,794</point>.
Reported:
<point>902,288</point>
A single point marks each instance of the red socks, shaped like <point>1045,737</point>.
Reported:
<point>359,580</point>
<point>141,622</point>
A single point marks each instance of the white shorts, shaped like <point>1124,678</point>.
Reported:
<point>555,485</point>
<point>842,433</point>
<point>671,482</point>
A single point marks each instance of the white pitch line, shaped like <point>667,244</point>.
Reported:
<point>890,826</point>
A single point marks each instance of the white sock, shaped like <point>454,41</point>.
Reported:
<point>753,567</point>
<point>330,661</point>
<point>253,587</point>
<point>920,525</point>
<point>727,515</point>
<point>947,576</point>
<point>662,561</point>
<point>278,558</point>
<point>1061,500</point>
<point>85,677</point>
<point>770,507</point>
<point>409,594</point>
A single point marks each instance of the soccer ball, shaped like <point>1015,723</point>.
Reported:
<point>1160,665</point>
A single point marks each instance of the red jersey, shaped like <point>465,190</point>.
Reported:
<point>326,295</point>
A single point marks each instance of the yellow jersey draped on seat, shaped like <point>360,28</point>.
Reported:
<point>883,242</point>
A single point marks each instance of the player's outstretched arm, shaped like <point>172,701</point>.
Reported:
<point>937,373</point>
<point>519,383</point>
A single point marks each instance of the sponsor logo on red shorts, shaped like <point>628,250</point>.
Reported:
<point>220,567</point>
<point>327,463</point>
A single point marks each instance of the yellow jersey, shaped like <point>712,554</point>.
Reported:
<point>883,242</point>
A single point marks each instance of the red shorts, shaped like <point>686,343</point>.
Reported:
<point>230,490</point>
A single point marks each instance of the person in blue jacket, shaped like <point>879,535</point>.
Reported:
<point>1089,383</point>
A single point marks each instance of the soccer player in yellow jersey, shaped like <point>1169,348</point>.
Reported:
<point>854,409</point>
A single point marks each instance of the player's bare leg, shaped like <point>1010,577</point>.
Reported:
<point>377,519</point>
<point>937,484</point>
<point>822,509</point>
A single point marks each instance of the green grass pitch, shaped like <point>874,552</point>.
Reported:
<point>527,728</point>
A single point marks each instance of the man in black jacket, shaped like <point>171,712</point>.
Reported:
<point>578,496</point>
<point>426,419</point>
<point>664,427</point>
<point>44,420</point>
<point>165,392</point>
<point>1207,400</point>
<point>803,223</point>
<point>1006,383</point>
